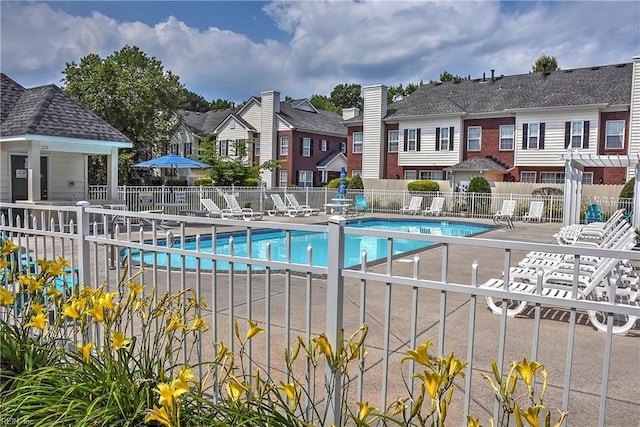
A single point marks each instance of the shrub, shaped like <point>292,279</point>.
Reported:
<point>205,181</point>
<point>480,205</point>
<point>423,185</point>
<point>251,182</point>
<point>335,183</point>
<point>547,191</point>
<point>356,183</point>
<point>625,194</point>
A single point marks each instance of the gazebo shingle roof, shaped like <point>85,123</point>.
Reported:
<point>48,111</point>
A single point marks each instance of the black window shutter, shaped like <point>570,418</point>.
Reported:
<point>437,139</point>
<point>451,138</point>
<point>525,130</point>
<point>311,147</point>
<point>585,134</point>
<point>418,139</point>
<point>541,143</point>
<point>301,145</point>
<point>567,134</point>
<point>406,139</point>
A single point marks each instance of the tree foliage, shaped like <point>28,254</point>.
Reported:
<point>544,64</point>
<point>321,102</point>
<point>446,76</point>
<point>396,93</point>
<point>479,184</point>
<point>220,104</point>
<point>228,171</point>
<point>133,93</point>
<point>194,102</point>
<point>347,96</point>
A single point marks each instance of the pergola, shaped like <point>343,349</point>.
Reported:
<point>574,168</point>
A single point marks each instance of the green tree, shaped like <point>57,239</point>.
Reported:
<point>194,102</point>
<point>133,93</point>
<point>228,171</point>
<point>221,104</point>
<point>544,64</point>
<point>396,93</point>
<point>446,76</point>
<point>347,96</point>
<point>321,102</point>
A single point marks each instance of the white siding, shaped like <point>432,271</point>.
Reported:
<point>60,187</point>
<point>554,135</point>
<point>251,114</point>
<point>375,108</point>
<point>634,119</point>
<point>5,178</point>
<point>282,125</point>
<point>428,156</point>
<point>232,132</point>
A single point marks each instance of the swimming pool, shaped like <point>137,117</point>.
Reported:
<point>354,244</point>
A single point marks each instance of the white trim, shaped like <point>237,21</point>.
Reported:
<point>67,140</point>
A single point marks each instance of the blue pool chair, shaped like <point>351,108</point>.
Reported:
<point>361,206</point>
<point>593,214</point>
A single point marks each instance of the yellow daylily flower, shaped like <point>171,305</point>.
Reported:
<point>174,324</point>
<point>531,415</point>
<point>473,422</point>
<point>8,247</point>
<point>323,345</point>
<point>97,312</point>
<point>32,283</point>
<point>119,341</point>
<point>198,324</point>
<point>135,288</point>
<point>253,329</point>
<point>86,350</point>
<point>419,355</point>
<point>4,263</point>
<point>107,300</point>
<point>289,390</point>
<point>6,296</point>
<point>38,321</point>
<point>37,307</point>
<point>528,370</point>
<point>158,414</point>
<point>184,376</point>
<point>54,292</point>
<point>235,388</point>
<point>398,406</point>
<point>223,350</point>
<point>70,310</point>
<point>432,382</point>
<point>365,410</point>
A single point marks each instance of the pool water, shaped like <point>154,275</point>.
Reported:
<point>300,240</point>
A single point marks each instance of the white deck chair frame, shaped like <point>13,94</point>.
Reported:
<point>238,212</point>
<point>293,203</point>
<point>436,207</point>
<point>414,206</point>
<point>535,213</point>
<point>280,208</point>
<point>505,213</point>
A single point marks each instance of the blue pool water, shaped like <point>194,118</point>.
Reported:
<point>354,244</point>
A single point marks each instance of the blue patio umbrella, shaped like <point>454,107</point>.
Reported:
<point>172,161</point>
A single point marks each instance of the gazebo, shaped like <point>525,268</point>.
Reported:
<point>574,168</point>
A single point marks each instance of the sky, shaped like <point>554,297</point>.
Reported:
<point>236,49</point>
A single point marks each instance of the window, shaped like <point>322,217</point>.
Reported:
<point>587,178</point>
<point>506,137</point>
<point>474,138</point>
<point>306,147</point>
<point>223,147</point>
<point>576,134</point>
<point>527,177</point>
<point>305,178</point>
<point>393,141</point>
<point>357,142</point>
<point>552,177</point>
<point>411,140</point>
<point>436,175</point>
<point>284,145</point>
<point>283,179</point>
<point>533,135</point>
<point>409,174</point>
<point>444,139</point>
<point>354,173</point>
<point>343,147</point>
<point>614,138</point>
<point>323,145</point>
<point>256,147</point>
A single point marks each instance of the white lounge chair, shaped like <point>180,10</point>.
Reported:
<point>213,210</point>
<point>279,208</point>
<point>238,212</point>
<point>536,210</point>
<point>506,213</point>
<point>414,206</point>
<point>593,231</point>
<point>435,208</point>
<point>293,203</point>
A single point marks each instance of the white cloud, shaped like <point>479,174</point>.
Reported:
<point>331,42</point>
